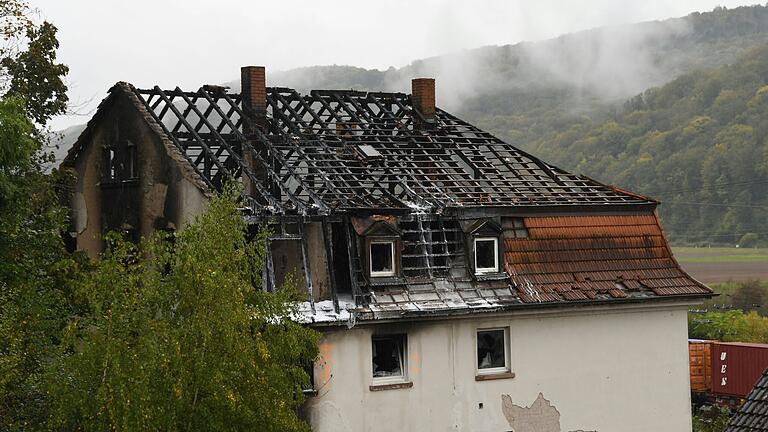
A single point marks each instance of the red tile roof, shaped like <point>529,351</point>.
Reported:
<point>566,258</point>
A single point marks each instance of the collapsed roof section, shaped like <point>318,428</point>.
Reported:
<point>334,151</point>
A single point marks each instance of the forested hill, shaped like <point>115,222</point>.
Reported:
<point>698,143</point>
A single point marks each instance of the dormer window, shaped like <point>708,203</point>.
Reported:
<point>483,241</point>
<point>380,251</point>
<point>382,258</point>
<point>486,255</point>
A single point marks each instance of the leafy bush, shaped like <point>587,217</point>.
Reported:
<point>176,337</point>
<point>711,419</point>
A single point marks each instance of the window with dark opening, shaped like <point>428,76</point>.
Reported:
<point>388,355</point>
<point>110,171</point>
<point>131,169</point>
<point>486,255</point>
<point>382,258</point>
<point>492,351</point>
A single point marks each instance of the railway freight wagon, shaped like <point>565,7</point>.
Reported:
<point>725,372</point>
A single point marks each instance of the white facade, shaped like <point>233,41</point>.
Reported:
<point>617,368</point>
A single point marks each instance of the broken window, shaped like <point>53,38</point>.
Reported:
<point>382,258</point>
<point>492,351</point>
<point>131,169</point>
<point>388,356</point>
<point>486,255</point>
<point>110,169</point>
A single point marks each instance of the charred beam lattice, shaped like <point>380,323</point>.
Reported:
<point>341,150</point>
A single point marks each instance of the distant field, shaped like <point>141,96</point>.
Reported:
<point>711,265</point>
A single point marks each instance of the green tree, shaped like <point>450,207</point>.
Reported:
<point>176,337</point>
<point>34,268</point>
<point>714,419</point>
<point>749,296</point>
<point>28,59</point>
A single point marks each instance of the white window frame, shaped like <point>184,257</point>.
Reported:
<point>403,377</point>
<point>387,273</point>
<point>495,268</point>
<point>497,370</point>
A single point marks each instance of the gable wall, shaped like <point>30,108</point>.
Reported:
<point>161,198</point>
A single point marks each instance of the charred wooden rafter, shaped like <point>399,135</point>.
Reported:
<point>313,151</point>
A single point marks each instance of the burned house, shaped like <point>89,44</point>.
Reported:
<point>459,282</point>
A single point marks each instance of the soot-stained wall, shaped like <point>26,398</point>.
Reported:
<point>127,181</point>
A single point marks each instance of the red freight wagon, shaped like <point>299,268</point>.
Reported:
<point>736,367</point>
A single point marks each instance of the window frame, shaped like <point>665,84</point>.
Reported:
<point>401,338</point>
<point>132,161</point>
<point>486,270</point>
<point>379,274</point>
<point>507,368</point>
<point>109,169</point>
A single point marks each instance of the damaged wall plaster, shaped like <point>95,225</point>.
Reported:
<point>541,416</point>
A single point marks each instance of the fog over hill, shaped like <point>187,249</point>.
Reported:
<point>575,70</point>
<point>609,62</point>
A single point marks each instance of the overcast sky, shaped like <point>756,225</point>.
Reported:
<point>191,42</point>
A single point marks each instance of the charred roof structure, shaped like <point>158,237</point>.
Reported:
<point>401,200</point>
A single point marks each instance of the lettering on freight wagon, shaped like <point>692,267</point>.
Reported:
<point>723,369</point>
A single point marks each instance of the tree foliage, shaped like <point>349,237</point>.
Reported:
<point>36,76</point>
<point>34,268</point>
<point>714,419</point>
<point>738,314</point>
<point>730,326</point>
<point>28,60</point>
<point>176,337</point>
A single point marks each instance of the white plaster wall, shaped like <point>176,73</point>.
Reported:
<point>605,370</point>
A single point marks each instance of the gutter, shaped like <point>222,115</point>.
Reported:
<point>363,318</point>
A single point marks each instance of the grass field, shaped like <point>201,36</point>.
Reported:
<point>713,265</point>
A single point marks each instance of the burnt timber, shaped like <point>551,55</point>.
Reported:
<point>332,169</point>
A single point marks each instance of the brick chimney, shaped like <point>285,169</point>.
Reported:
<point>423,100</point>
<point>253,89</point>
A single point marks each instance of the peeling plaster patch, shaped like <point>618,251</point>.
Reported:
<point>81,212</point>
<point>541,416</point>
